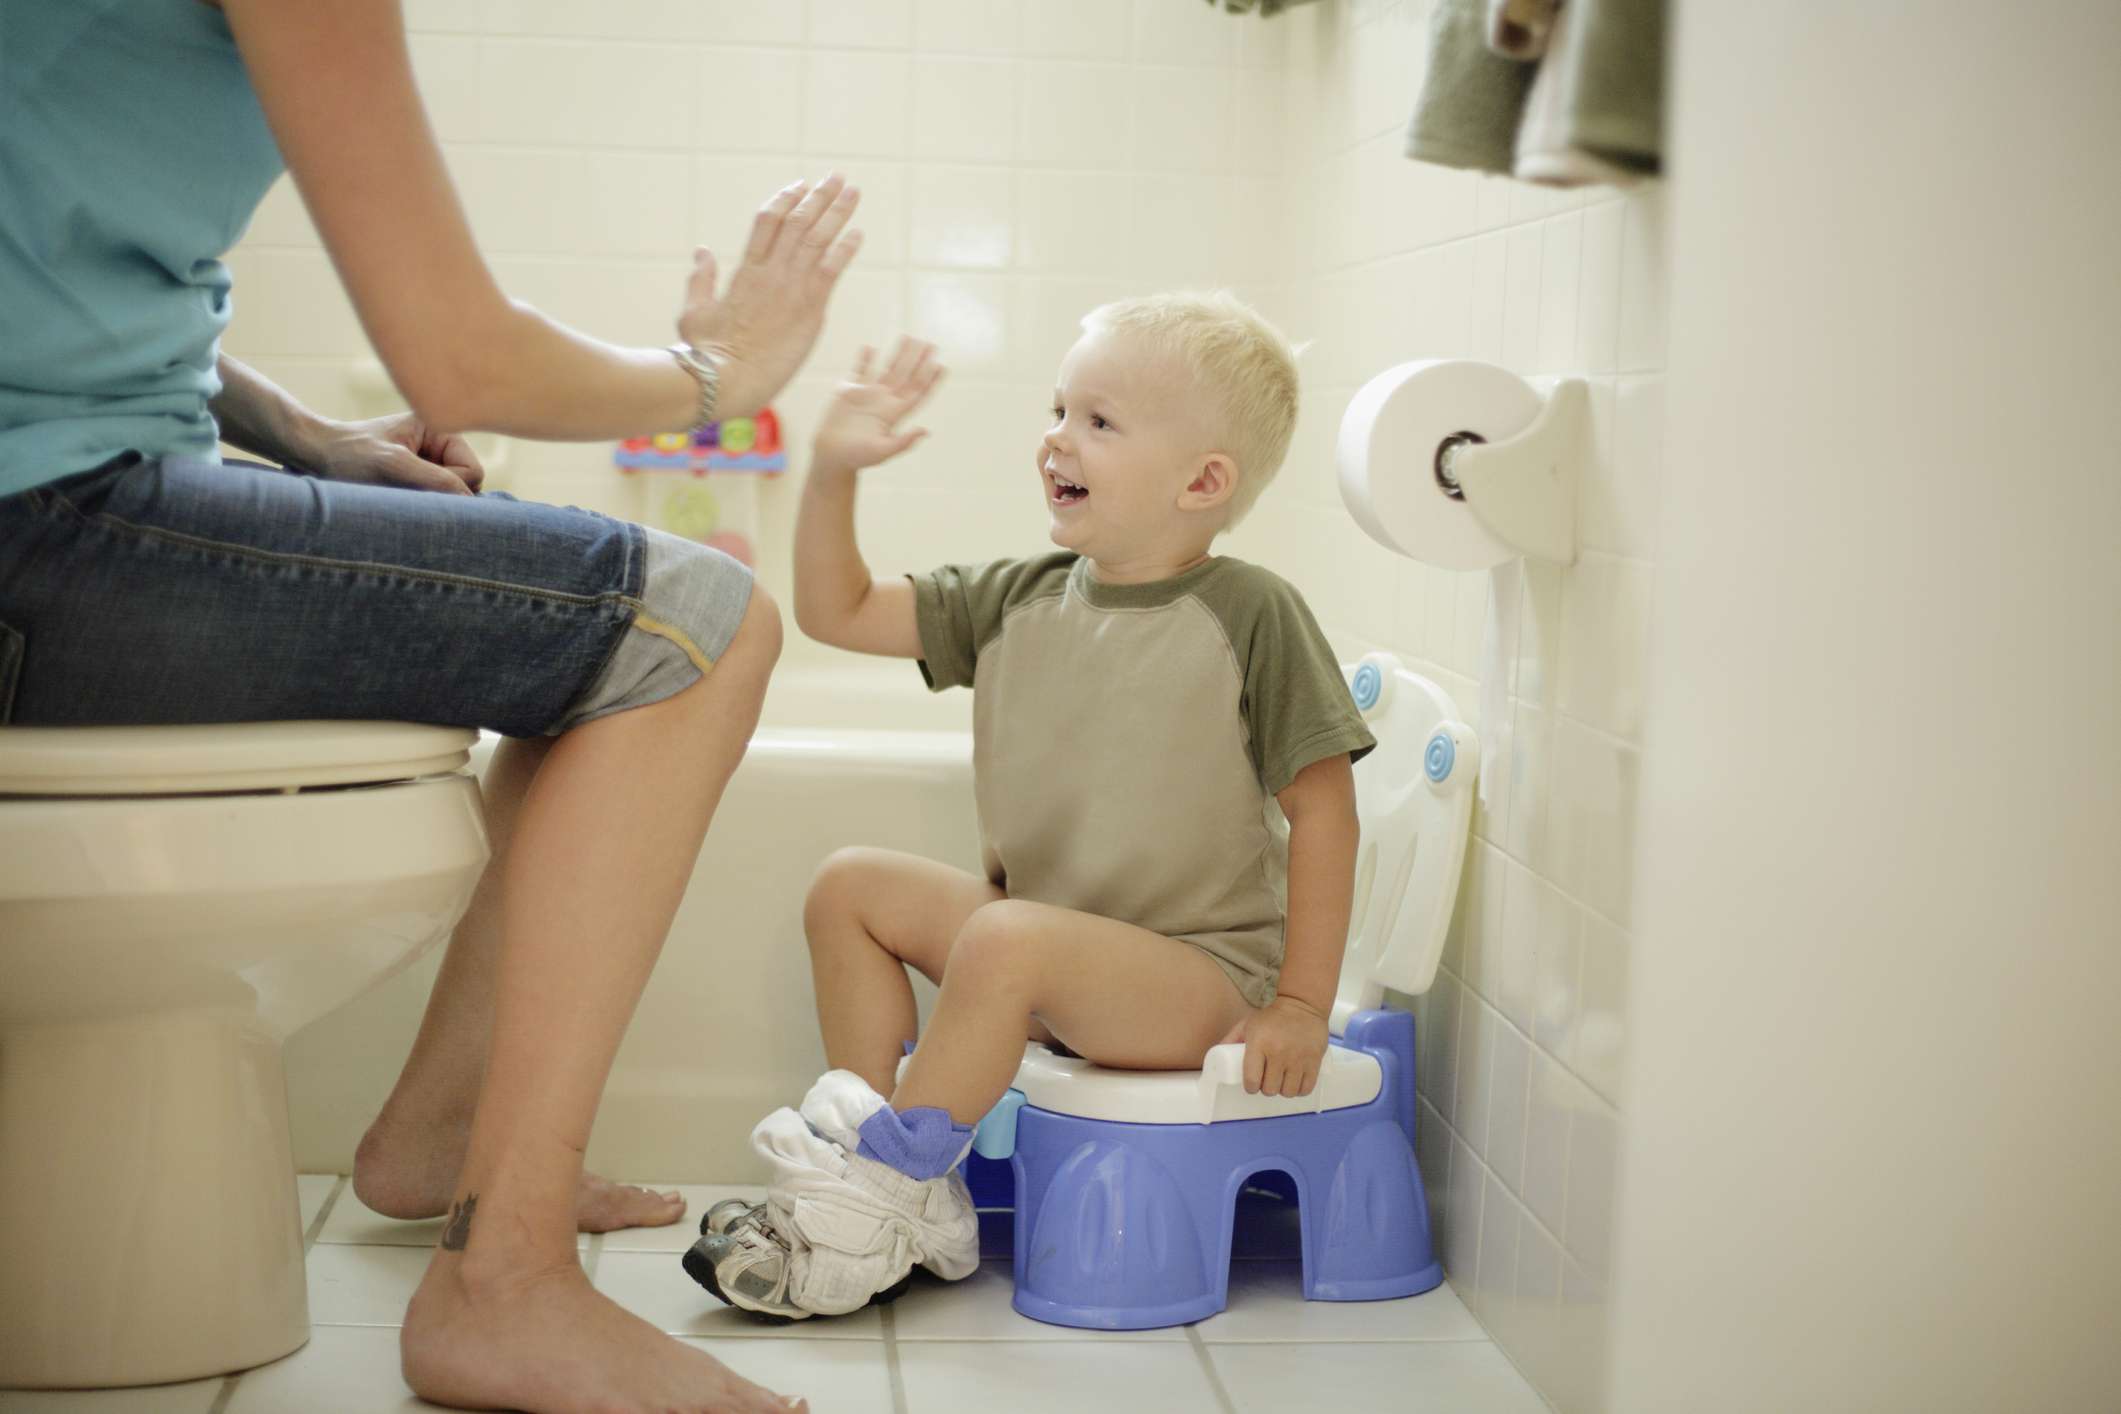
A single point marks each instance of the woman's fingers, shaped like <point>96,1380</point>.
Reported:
<point>766,226</point>
<point>819,238</point>
<point>861,364</point>
<point>837,258</point>
<point>792,240</point>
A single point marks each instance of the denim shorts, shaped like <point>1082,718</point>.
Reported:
<point>175,590</point>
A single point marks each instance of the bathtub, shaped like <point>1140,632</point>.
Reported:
<point>847,752</point>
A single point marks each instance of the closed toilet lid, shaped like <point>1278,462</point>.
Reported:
<point>242,756</point>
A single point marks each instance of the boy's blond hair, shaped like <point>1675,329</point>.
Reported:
<point>1239,360</point>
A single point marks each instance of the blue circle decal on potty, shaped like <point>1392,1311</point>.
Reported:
<point>1438,757</point>
<point>1369,686</point>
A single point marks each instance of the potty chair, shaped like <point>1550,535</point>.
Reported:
<point>1126,1182</point>
<point>175,901</point>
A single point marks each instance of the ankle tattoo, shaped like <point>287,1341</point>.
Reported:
<point>458,1232</point>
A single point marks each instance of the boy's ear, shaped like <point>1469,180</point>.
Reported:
<point>1214,482</point>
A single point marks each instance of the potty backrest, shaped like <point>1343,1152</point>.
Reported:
<point>1414,797</point>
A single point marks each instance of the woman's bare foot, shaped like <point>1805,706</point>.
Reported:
<point>547,1341</point>
<point>405,1175</point>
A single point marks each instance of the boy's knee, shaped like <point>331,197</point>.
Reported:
<point>998,946</point>
<point>838,883</point>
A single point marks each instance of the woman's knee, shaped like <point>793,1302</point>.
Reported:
<point>757,645</point>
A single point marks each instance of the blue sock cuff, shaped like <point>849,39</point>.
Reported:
<point>921,1144</point>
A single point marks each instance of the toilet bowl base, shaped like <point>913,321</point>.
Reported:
<point>149,1224</point>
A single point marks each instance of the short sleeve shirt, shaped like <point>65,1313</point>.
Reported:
<point>1130,739</point>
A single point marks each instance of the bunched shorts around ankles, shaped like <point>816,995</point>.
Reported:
<point>176,590</point>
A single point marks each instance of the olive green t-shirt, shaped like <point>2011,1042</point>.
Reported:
<point>1129,740</point>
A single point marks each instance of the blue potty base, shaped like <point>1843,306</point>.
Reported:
<point>1129,1226</point>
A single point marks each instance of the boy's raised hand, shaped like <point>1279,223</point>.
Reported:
<point>860,426</point>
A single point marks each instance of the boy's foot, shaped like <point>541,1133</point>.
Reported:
<point>747,1266</point>
<point>724,1216</point>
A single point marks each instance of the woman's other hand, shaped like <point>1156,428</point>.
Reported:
<point>764,325</point>
<point>399,450</point>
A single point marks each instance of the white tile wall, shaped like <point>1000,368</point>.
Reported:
<point>1022,160</point>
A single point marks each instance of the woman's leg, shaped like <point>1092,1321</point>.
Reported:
<point>606,838</point>
<point>1114,993</point>
<point>406,1166</point>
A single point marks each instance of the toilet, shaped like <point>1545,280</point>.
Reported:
<point>174,903</point>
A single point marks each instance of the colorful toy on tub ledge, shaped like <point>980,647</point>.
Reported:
<point>726,520</point>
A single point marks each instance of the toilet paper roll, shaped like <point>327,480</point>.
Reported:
<point>1389,443</point>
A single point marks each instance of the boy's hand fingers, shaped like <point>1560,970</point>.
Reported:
<point>861,364</point>
<point>1255,1066</point>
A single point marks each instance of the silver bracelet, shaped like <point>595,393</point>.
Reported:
<point>706,372</point>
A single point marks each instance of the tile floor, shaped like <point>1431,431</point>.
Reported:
<point>942,1348</point>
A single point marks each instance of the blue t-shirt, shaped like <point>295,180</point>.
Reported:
<point>133,153</point>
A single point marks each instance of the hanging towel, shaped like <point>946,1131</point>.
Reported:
<point>1265,7</point>
<point>1588,108</point>
<point>1471,97</point>
<point>1518,29</point>
<point>1596,108</point>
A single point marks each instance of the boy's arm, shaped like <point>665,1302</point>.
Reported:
<point>837,601</point>
<point>1285,1041</point>
<point>1323,834</point>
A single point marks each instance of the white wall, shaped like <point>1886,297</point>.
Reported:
<point>1874,1130</point>
<point>1024,161</point>
<point>1526,1028</point>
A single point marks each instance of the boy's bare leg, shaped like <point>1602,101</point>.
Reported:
<point>604,844</point>
<point>406,1166</point>
<point>870,915</point>
<point>1115,993</point>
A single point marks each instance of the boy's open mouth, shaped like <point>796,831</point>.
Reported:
<point>1063,492</point>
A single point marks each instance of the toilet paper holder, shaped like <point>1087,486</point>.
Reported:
<point>1518,478</point>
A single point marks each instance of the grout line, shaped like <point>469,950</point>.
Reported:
<point>889,1320</point>
<point>1207,1368</point>
<point>316,1224</point>
<point>227,1391</point>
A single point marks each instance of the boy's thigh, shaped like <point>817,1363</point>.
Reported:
<point>913,907</point>
<point>1123,996</point>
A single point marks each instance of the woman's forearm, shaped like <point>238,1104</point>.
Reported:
<point>260,417</point>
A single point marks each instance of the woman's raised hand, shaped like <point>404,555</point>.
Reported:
<point>763,326</point>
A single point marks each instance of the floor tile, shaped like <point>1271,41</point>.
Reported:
<point>313,1189</point>
<point>1058,1377</point>
<point>978,1308</point>
<point>343,1370</point>
<point>192,1397</point>
<point>1463,1376</point>
<point>353,1222</point>
<point>678,1236</point>
<point>1267,1303</point>
<point>836,1376</point>
<point>654,1287</point>
<point>362,1286</point>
